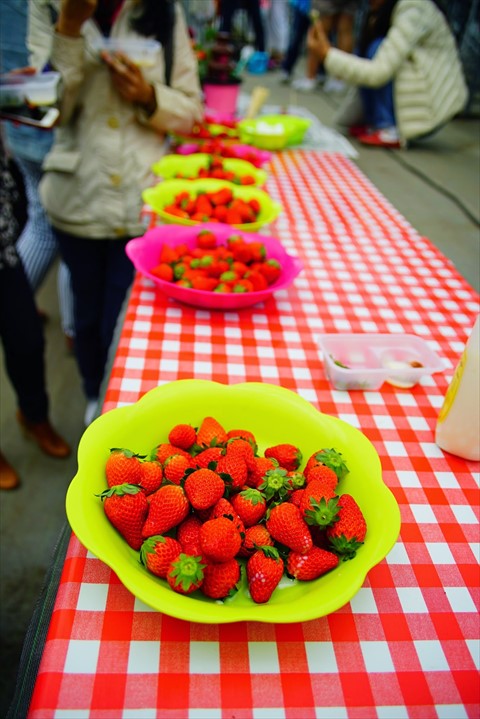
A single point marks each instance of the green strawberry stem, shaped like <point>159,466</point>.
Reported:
<point>120,490</point>
<point>333,459</point>
<point>323,513</point>
<point>187,570</point>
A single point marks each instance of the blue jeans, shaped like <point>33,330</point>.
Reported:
<point>377,102</point>
<point>101,274</point>
<point>298,33</point>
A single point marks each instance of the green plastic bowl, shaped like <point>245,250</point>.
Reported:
<point>275,415</point>
<point>190,165</point>
<point>163,194</point>
<point>259,131</point>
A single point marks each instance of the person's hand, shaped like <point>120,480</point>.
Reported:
<point>317,41</point>
<point>73,14</point>
<point>128,80</point>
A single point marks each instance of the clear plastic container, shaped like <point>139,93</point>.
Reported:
<point>366,361</point>
<point>39,89</point>
<point>143,53</point>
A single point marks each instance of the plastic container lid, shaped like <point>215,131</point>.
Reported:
<point>39,89</point>
<point>366,361</point>
<point>142,52</point>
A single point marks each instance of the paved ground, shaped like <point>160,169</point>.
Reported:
<point>435,186</point>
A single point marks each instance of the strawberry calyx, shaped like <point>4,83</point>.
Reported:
<point>148,546</point>
<point>187,570</point>
<point>333,459</point>
<point>347,548</point>
<point>323,512</point>
<point>120,490</point>
<point>270,552</point>
<point>296,480</point>
<point>127,452</point>
<point>275,484</point>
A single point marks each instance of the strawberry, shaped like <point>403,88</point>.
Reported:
<point>296,480</point>
<point>330,458</point>
<point>244,447</point>
<point>122,467</point>
<point>183,436</point>
<point>163,272</point>
<point>319,503</point>
<point>220,580</point>
<point>323,473</point>
<point>250,505</point>
<point>296,497</point>
<point>212,454</point>
<point>348,532</point>
<point>275,484</point>
<point>157,553</point>
<point>151,475</point>
<point>233,469</point>
<point>168,507</point>
<point>165,450</point>
<point>224,508</point>
<point>206,239</point>
<point>243,434</point>
<point>188,534</point>
<point>185,573</point>
<point>255,537</point>
<point>288,456</point>
<point>126,507</point>
<point>311,564</point>
<point>220,539</point>
<point>203,488</point>
<point>271,270</point>
<point>264,572</point>
<point>211,433</point>
<point>175,467</point>
<point>260,467</point>
<point>287,526</point>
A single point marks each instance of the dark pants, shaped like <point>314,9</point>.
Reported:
<point>298,33</point>
<point>378,107</point>
<point>101,274</point>
<point>228,8</point>
<point>22,337</point>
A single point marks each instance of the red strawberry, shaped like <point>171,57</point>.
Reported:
<point>260,466</point>
<point>203,488</point>
<point>324,473</point>
<point>211,433</point>
<point>151,476</point>
<point>319,503</point>
<point>271,270</point>
<point>233,469</point>
<point>287,526</point>
<point>168,507</point>
<point>157,553</point>
<point>296,480</point>
<point>264,572</point>
<point>224,508</point>
<point>348,532</point>
<point>166,450</point>
<point>330,458</point>
<point>244,448</point>
<point>188,534</point>
<point>220,539</point>
<point>250,505</point>
<point>126,507</point>
<point>122,467</point>
<point>212,454</point>
<point>243,434</point>
<point>288,456</point>
<point>311,564</point>
<point>220,580</point>
<point>185,573</point>
<point>206,239</point>
<point>183,436</point>
<point>255,537</point>
<point>296,497</point>
<point>175,467</point>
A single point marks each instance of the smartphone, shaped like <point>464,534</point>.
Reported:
<point>34,116</point>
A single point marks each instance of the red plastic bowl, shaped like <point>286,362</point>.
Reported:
<point>144,253</point>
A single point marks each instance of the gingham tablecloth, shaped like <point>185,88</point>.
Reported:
<point>407,645</point>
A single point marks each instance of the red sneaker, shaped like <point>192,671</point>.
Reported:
<point>387,137</point>
<point>358,130</point>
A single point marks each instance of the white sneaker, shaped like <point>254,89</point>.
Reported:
<point>333,85</point>
<point>304,84</point>
<point>90,411</point>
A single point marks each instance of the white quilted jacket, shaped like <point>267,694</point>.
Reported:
<point>420,56</point>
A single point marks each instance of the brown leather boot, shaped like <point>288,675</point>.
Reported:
<point>9,479</point>
<point>45,436</point>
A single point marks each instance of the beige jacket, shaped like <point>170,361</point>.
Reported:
<point>104,146</point>
<point>420,56</point>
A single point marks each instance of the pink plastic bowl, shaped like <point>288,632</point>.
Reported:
<point>144,253</point>
<point>242,152</point>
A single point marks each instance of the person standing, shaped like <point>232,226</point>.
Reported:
<point>21,330</point>
<point>228,9</point>
<point>114,118</point>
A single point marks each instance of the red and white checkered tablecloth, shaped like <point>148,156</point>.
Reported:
<point>407,645</point>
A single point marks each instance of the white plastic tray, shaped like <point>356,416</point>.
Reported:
<point>366,361</point>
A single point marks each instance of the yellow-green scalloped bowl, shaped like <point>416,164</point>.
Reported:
<point>259,131</point>
<point>163,194</point>
<point>189,167</point>
<point>275,415</point>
